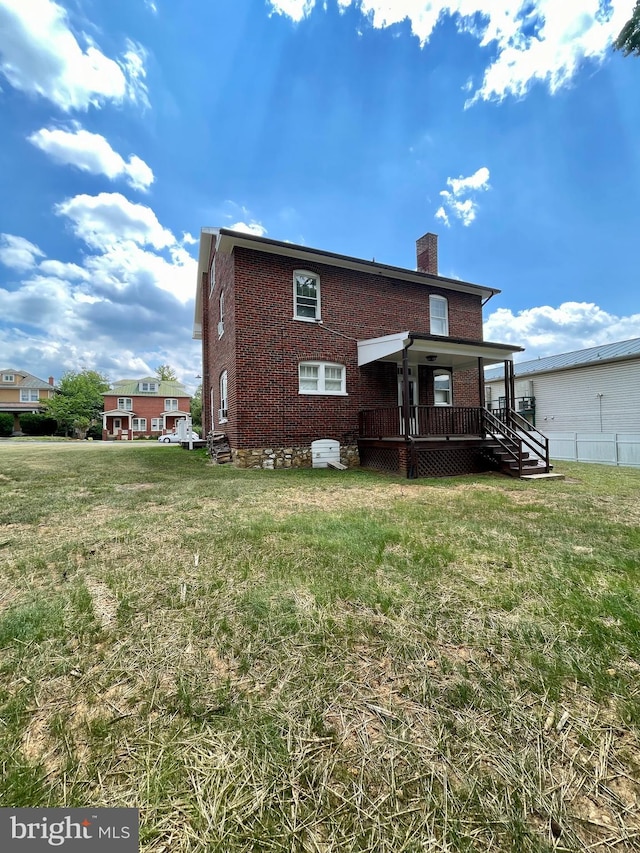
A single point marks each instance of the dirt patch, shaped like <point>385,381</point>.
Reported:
<point>105,604</point>
<point>133,487</point>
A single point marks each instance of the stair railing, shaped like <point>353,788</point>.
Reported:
<point>502,434</point>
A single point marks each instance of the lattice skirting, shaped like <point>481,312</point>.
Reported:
<point>448,462</point>
<point>439,461</point>
<point>386,459</point>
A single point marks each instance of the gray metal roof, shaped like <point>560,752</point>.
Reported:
<point>579,358</point>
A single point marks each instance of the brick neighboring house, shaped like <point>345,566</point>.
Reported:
<point>138,408</point>
<point>301,345</point>
<point>21,392</point>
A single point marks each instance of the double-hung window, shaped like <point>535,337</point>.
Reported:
<point>139,424</point>
<point>212,275</point>
<point>442,388</point>
<point>223,410</point>
<point>171,404</point>
<point>8,377</point>
<point>306,295</point>
<point>319,377</point>
<point>125,404</point>
<point>29,395</point>
<point>149,386</point>
<point>439,315</point>
<point>221,315</point>
<point>156,424</point>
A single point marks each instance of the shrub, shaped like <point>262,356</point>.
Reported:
<point>95,432</point>
<point>6,424</point>
<point>36,424</point>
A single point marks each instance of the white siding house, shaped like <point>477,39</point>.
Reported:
<point>587,402</point>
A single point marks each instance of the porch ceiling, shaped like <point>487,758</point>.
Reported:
<point>442,352</point>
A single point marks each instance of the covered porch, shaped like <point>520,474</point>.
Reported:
<point>428,432</point>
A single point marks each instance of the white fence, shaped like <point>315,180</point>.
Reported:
<point>607,448</point>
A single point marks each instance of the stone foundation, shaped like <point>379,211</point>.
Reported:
<point>288,457</point>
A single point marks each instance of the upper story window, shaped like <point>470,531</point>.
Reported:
<point>8,377</point>
<point>212,275</point>
<point>439,315</point>
<point>148,386</point>
<point>29,395</point>
<point>221,314</point>
<point>125,404</point>
<point>306,295</point>
<point>319,377</point>
<point>171,404</point>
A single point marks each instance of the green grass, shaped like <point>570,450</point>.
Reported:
<point>321,661</point>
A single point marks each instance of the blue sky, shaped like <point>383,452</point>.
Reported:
<point>509,128</point>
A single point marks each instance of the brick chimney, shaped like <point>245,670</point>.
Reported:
<point>427,253</point>
<point>51,380</point>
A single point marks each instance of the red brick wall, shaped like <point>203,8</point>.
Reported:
<point>219,353</point>
<point>262,357</point>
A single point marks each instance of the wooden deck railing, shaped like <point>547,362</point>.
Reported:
<point>424,421</point>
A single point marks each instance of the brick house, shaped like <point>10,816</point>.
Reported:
<point>301,345</point>
<point>22,392</point>
<point>142,408</point>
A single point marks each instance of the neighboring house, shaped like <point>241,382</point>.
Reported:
<point>138,408</point>
<point>22,392</point>
<point>587,401</point>
<point>383,365</point>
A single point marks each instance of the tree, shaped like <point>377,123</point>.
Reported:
<point>629,39</point>
<point>165,373</point>
<point>78,402</point>
<point>196,408</point>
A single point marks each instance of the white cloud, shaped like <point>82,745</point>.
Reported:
<point>40,55</point>
<point>18,253</point>
<point>544,40</point>
<point>458,200</point>
<point>105,220</point>
<point>252,227</point>
<point>91,152</point>
<point>294,9</point>
<point>545,330</point>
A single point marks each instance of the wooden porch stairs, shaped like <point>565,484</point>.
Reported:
<point>515,446</point>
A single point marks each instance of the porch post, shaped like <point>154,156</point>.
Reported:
<point>481,382</point>
<point>509,389</point>
<point>405,391</point>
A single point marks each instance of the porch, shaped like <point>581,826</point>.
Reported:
<point>439,441</point>
<point>427,433</point>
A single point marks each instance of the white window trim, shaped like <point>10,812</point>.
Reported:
<point>434,319</point>
<point>8,377</point>
<point>171,408</point>
<point>125,407</point>
<point>212,274</point>
<point>224,398</point>
<point>296,316</point>
<point>142,424</point>
<point>449,390</point>
<point>221,312</point>
<point>26,395</point>
<point>322,391</point>
<point>156,424</point>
